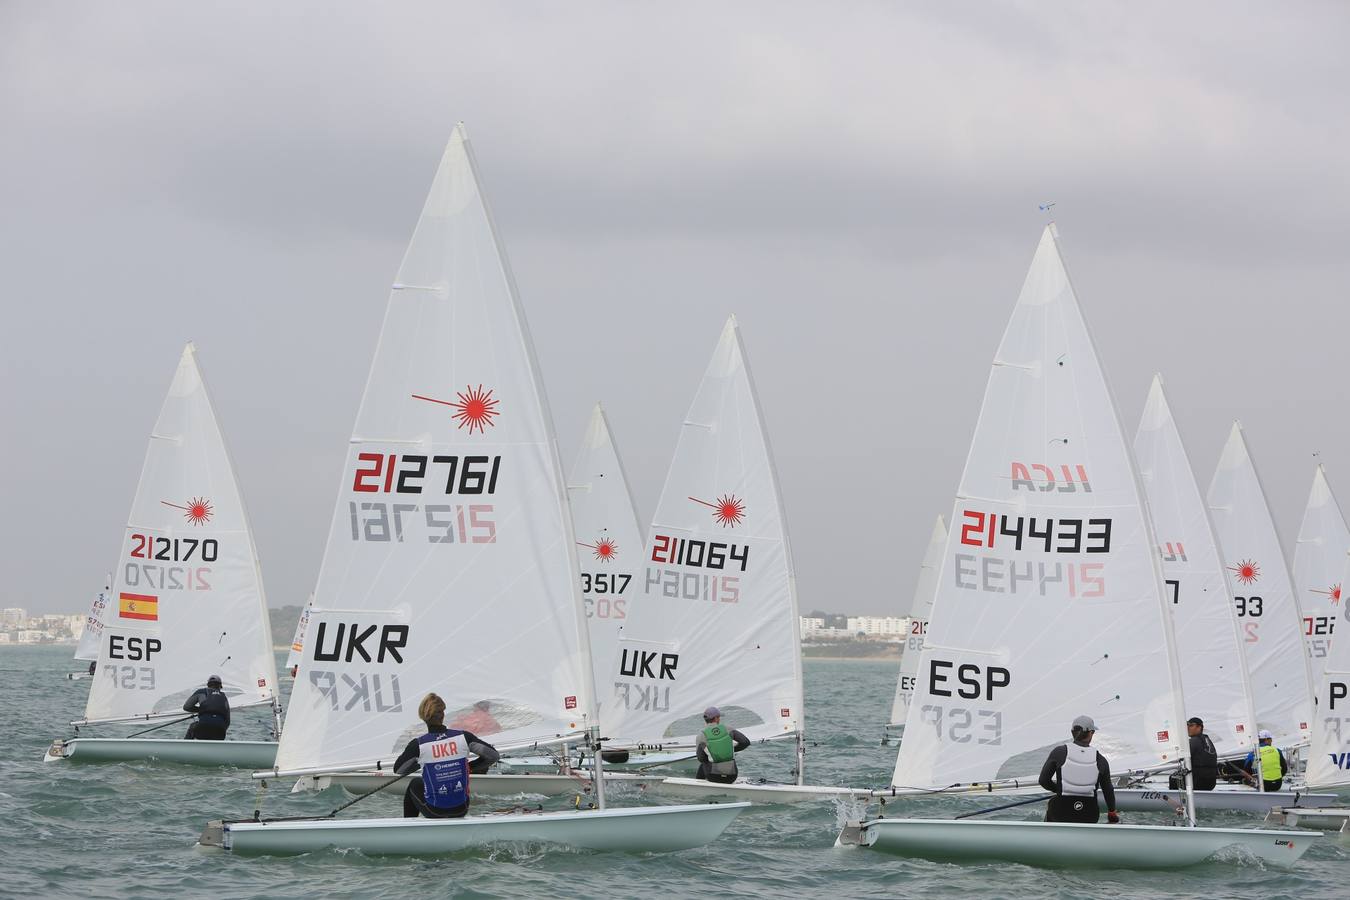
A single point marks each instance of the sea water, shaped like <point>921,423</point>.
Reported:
<point>129,829</point>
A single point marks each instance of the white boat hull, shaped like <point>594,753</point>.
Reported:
<point>244,754</point>
<point>1244,800</point>
<point>643,829</point>
<point>697,789</point>
<point>637,761</point>
<point>491,785</point>
<point>1062,844</point>
<point>1327,818</point>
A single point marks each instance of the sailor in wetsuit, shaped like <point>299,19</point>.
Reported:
<point>716,749</point>
<point>213,712</point>
<point>1074,772</point>
<point>443,753</point>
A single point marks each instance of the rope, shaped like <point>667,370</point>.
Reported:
<point>980,812</point>
<point>158,727</point>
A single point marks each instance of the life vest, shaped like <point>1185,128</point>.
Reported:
<point>720,746</point>
<point>444,756</point>
<point>213,707</point>
<point>1078,775</point>
<point>1270,764</point>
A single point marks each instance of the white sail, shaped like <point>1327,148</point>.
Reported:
<point>1319,563</point>
<point>450,564</point>
<point>1210,649</point>
<point>1329,752</point>
<point>609,539</point>
<point>920,608</point>
<point>1263,595</point>
<point>187,598</point>
<point>1050,603</point>
<point>717,622</point>
<point>298,639</point>
<point>87,647</point>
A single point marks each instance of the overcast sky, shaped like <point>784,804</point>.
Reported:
<point>857,182</point>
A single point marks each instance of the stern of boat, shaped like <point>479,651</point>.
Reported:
<point>851,835</point>
<point>213,835</point>
<point>56,751</point>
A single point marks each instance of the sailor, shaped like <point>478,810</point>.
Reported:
<point>93,664</point>
<point>716,749</point>
<point>479,720</point>
<point>1273,764</point>
<point>1204,758</point>
<point>443,754</point>
<point>213,712</point>
<point>1074,772</point>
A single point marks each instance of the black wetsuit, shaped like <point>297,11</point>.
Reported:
<point>728,773</point>
<point>1074,809</point>
<point>415,798</point>
<point>1204,763</point>
<point>213,714</point>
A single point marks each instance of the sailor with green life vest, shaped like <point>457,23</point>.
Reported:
<point>716,748</point>
<point>1271,761</point>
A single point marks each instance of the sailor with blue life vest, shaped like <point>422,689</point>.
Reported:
<point>1270,759</point>
<point>213,712</point>
<point>1074,772</point>
<point>716,748</point>
<point>443,755</point>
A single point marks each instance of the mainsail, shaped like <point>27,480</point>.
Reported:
<point>609,539</point>
<point>298,639</point>
<point>1213,669</point>
<point>1329,751</point>
<point>450,564</point>
<point>187,598</point>
<point>1263,595</point>
<point>1050,602</point>
<point>1319,563</point>
<point>87,647</point>
<point>921,606</point>
<point>717,623</point>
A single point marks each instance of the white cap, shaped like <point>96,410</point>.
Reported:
<point>1264,735</point>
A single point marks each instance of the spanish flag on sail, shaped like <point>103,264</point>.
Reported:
<point>138,606</point>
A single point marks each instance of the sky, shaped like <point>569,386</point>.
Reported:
<point>859,183</point>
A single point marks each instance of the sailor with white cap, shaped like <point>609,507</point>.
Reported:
<point>1273,764</point>
<point>1074,772</point>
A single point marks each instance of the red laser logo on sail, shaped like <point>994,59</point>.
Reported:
<point>728,510</point>
<point>474,408</point>
<point>1246,571</point>
<point>1334,593</point>
<point>198,510</point>
<point>605,549</point>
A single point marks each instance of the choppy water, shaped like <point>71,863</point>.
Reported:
<point>129,830</point>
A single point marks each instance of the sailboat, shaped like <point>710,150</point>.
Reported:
<point>1213,665</point>
<point>920,609</point>
<point>450,564</point>
<point>1263,595</point>
<point>1319,561</point>
<point>189,598</point>
<point>297,647</point>
<point>86,649</point>
<point>716,623</point>
<point>1052,607</point>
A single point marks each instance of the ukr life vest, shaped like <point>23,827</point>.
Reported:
<point>720,747</point>
<point>1078,775</point>
<point>444,756</point>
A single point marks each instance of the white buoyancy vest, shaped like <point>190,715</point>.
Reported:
<point>1078,776</point>
<point>444,757</point>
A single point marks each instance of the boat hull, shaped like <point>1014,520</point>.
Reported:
<point>1246,800</point>
<point>637,761</point>
<point>643,829</point>
<point>1067,845</point>
<point>1326,818</point>
<point>491,785</point>
<point>244,754</point>
<point>693,788</point>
